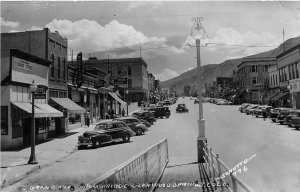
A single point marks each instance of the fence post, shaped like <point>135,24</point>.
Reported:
<point>212,163</point>
<point>234,187</point>
<point>219,172</point>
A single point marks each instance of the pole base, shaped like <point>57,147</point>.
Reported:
<point>32,160</point>
<point>200,146</point>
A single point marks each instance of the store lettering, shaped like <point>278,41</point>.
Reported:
<point>23,65</point>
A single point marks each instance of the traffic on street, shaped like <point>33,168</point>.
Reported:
<point>233,135</point>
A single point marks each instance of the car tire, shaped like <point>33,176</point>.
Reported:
<point>139,131</point>
<point>273,120</point>
<point>281,123</point>
<point>126,138</point>
<point>167,116</point>
<point>96,144</point>
<point>256,116</point>
<point>289,125</point>
<point>297,127</point>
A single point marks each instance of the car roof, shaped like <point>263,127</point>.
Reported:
<point>128,117</point>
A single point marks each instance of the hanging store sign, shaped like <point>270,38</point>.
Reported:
<point>40,92</point>
<point>121,81</point>
<point>79,80</point>
<point>295,85</point>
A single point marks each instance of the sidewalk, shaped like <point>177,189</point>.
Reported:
<point>183,175</point>
<point>14,165</point>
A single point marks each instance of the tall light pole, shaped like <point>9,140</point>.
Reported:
<point>32,159</point>
<point>127,100</point>
<point>197,33</point>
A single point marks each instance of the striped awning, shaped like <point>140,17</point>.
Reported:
<point>68,104</point>
<point>40,109</point>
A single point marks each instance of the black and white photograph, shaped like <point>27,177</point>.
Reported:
<point>150,96</point>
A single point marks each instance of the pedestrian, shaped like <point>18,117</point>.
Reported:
<point>112,114</point>
<point>123,112</point>
<point>88,120</point>
<point>264,113</point>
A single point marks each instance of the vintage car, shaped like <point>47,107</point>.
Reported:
<point>196,101</point>
<point>261,109</point>
<point>160,112</point>
<point>250,107</point>
<point>181,108</point>
<point>275,112</point>
<point>244,106</point>
<point>134,124</point>
<point>168,102</point>
<point>295,122</point>
<point>105,132</point>
<point>281,118</point>
<point>293,113</point>
<point>144,115</point>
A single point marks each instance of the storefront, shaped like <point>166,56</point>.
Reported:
<point>17,74</point>
<point>73,113</point>
<point>295,93</point>
<point>116,103</point>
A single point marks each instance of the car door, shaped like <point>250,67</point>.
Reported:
<point>112,130</point>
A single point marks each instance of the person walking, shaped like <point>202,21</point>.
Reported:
<point>123,112</point>
<point>112,114</point>
<point>88,120</point>
<point>264,114</point>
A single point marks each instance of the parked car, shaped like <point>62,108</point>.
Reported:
<point>275,112</point>
<point>160,112</point>
<point>259,110</point>
<point>181,108</point>
<point>293,113</point>
<point>196,101</point>
<point>105,132</point>
<point>281,118</point>
<point>167,102</point>
<point>134,124</point>
<point>295,122</point>
<point>247,109</point>
<point>145,115</point>
<point>244,105</point>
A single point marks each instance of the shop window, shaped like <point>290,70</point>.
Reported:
<point>254,80</point>
<point>4,120</point>
<point>17,122</point>
<point>53,93</point>
<point>41,124</point>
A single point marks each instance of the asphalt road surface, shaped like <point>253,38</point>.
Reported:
<point>235,136</point>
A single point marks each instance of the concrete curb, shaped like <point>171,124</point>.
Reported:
<point>34,169</point>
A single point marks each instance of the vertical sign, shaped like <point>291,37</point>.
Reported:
<point>79,80</point>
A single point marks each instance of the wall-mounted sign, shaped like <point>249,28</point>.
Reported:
<point>24,71</point>
<point>40,92</point>
<point>99,83</point>
<point>79,80</point>
<point>295,85</point>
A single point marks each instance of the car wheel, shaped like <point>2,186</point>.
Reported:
<point>273,120</point>
<point>281,122</point>
<point>151,122</point>
<point>256,116</point>
<point>296,127</point>
<point>290,125</point>
<point>139,132</point>
<point>126,138</point>
<point>167,116</point>
<point>96,144</point>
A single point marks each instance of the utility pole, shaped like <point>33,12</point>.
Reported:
<point>197,33</point>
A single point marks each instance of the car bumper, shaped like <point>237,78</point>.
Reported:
<point>84,144</point>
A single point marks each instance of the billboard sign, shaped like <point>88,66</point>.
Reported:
<point>121,81</point>
<point>24,71</point>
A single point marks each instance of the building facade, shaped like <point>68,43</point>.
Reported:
<point>289,72</point>
<point>124,75</point>
<point>49,46</point>
<point>252,75</point>
<point>18,71</point>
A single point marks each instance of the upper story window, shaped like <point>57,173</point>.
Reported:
<point>64,69</point>
<point>254,80</point>
<point>297,70</point>
<point>58,67</point>
<point>253,68</point>
<point>266,68</point>
<point>52,65</point>
<point>129,70</point>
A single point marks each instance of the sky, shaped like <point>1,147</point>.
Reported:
<point>159,31</point>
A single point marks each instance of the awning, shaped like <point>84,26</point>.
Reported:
<point>68,104</point>
<point>40,109</point>
<point>280,96</point>
<point>114,95</point>
<point>270,96</point>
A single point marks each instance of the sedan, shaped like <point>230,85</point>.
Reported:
<point>134,124</point>
<point>181,108</point>
<point>105,132</point>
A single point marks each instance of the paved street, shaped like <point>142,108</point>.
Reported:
<point>233,135</point>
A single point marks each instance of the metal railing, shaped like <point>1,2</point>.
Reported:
<point>224,177</point>
<point>140,173</point>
